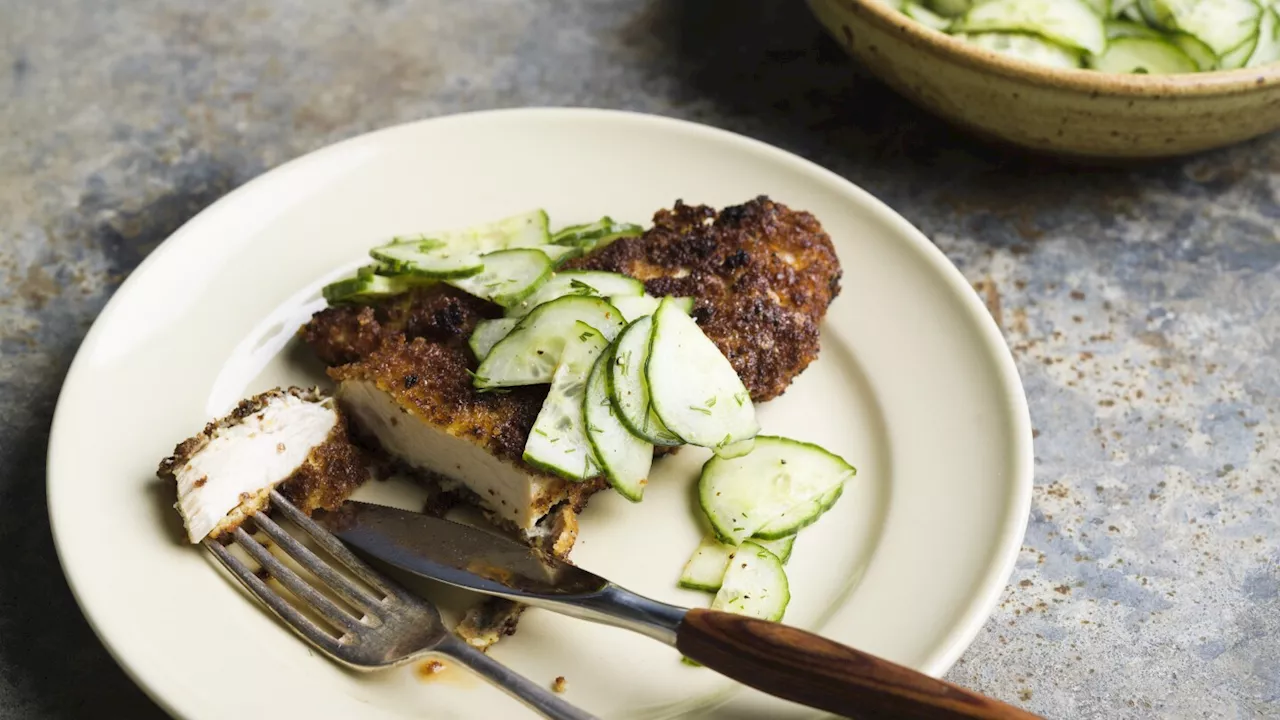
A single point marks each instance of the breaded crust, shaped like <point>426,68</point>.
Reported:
<point>762,274</point>
<point>440,313</point>
<point>331,471</point>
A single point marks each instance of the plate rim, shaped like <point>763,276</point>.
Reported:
<point>988,586</point>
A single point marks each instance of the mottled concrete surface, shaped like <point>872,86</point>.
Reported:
<point>1139,301</point>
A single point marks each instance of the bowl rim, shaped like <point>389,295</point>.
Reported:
<point>944,46</point>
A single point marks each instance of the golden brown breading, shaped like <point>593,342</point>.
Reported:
<point>334,469</point>
<point>439,313</point>
<point>433,379</point>
<point>488,621</point>
<point>763,276</point>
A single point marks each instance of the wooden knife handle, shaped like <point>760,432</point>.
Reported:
<point>802,667</point>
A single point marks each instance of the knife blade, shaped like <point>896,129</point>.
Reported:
<point>455,553</point>
<point>475,559</point>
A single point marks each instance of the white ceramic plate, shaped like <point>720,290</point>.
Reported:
<point>914,386</point>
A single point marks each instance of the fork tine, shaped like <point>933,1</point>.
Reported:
<point>339,583</point>
<point>299,587</point>
<point>332,545</point>
<point>296,620</point>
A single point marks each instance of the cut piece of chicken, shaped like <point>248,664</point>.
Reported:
<point>296,439</point>
<point>415,400</point>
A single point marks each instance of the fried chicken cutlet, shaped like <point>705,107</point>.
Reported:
<point>439,313</point>
<point>762,277</point>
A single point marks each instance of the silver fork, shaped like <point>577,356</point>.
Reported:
<point>394,629</point>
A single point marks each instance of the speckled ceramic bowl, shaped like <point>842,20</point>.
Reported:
<point>1067,112</point>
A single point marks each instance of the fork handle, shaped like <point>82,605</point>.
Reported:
<point>533,695</point>
<point>809,669</point>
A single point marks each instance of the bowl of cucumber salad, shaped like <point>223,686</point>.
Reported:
<point>1093,78</point>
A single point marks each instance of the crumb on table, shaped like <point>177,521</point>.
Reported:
<point>560,684</point>
<point>430,669</point>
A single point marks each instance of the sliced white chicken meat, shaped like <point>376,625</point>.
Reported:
<point>226,472</point>
<point>514,493</point>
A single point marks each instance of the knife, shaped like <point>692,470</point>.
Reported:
<point>784,661</point>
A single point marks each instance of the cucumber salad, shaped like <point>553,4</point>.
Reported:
<point>628,373</point>
<point>1157,37</point>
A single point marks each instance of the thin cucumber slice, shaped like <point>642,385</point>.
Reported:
<point>489,333</point>
<point>754,585</point>
<point>1223,25</point>
<point>1202,54</point>
<point>694,390</point>
<point>1143,56</point>
<point>1127,28</point>
<point>1101,8</point>
<point>781,548</point>
<point>925,16</point>
<point>1125,10</point>
<point>625,458</point>
<point>1072,23</point>
<point>577,234</point>
<point>628,388</point>
<point>596,234</point>
<point>1237,57</point>
<point>738,449</point>
<point>949,8</point>
<point>531,352</point>
<point>526,230</point>
<point>798,518</point>
<point>428,258</point>
<point>742,495</point>
<point>1026,47</point>
<point>634,308</point>
<point>456,253</point>
<point>1267,50</point>
<point>368,286</point>
<point>509,276</point>
<point>559,254</point>
<point>558,442</point>
<point>706,567</point>
<point>579,282</point>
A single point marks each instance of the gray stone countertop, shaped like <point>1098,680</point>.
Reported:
<point>1140,302</point>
